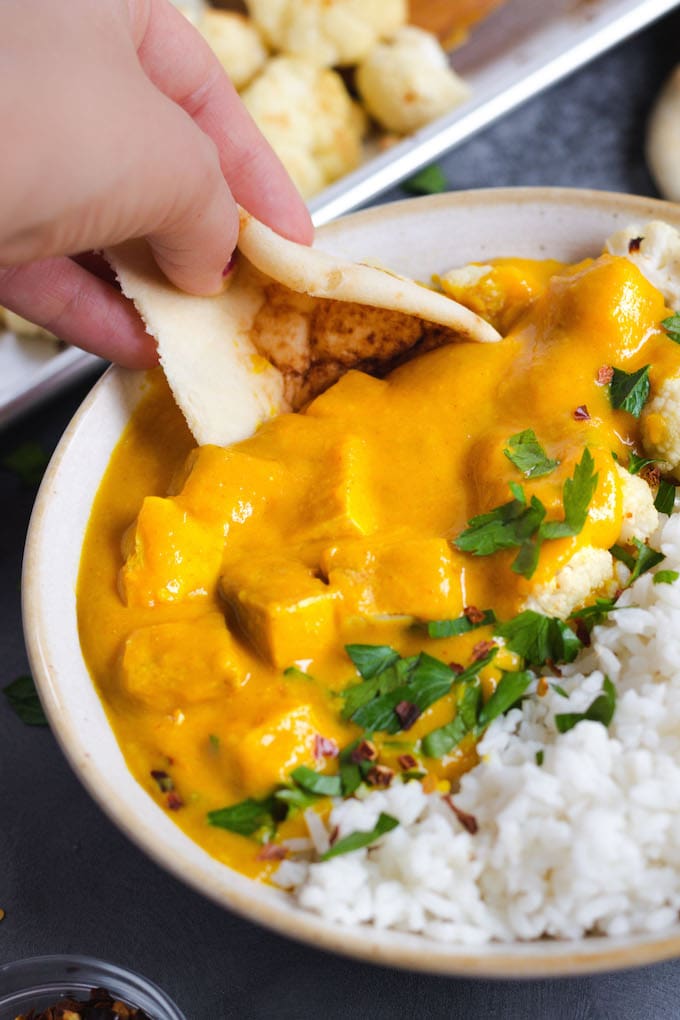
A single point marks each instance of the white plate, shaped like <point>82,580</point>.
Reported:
<point>417,237</point>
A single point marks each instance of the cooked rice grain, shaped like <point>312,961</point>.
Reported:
<point>586,842</point>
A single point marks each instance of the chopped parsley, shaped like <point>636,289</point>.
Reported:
<point>628,391</point>
<point>245,818</point>
<point>519,524</point>
<point>357,840</point>
<point>510,690</point>
<point>665,497</point>
<point>665,576</point>
<point>461,625</point>
<point>600,710</point>
<point>539,639</point>
<point>528,456</point>
<point>637,464</point>
<point>23,698</point>
<point>640,562</point>
<point>672,327</point>
<point>317,782</point>
<point>439,742</point>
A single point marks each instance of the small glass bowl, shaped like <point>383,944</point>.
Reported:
<point>39,982</point>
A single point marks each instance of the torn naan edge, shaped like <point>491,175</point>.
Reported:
<point>291,321</point>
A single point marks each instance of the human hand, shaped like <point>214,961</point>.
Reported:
<point>119,122</point>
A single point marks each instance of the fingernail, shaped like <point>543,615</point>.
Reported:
<point>229,266</point>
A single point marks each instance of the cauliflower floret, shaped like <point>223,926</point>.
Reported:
<point>406,82</point>
<point>327,32</point>
<point>236,43</point>
<point>660,426</point>
<point>655,250</point>
<point>588,571</point>
<point>308,117</point>
<point>640,516</point>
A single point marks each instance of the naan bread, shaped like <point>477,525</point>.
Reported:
<point>291,321</point>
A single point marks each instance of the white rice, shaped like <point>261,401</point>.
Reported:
<point>588,841</point>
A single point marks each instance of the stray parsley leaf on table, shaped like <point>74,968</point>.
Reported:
<point>23,698</point>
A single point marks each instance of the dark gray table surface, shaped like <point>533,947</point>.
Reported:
<point>70,882</point>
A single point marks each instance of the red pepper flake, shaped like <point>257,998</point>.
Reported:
<point>333,835</point>
<point>380,775</point>
<point>468,822</point>
<point>473,614</point>
<point>407,761</point>
<point>481,649</point>
<point>407,713</point>
<point>651,475</point>
<point>552,666</point>
<point>634,244</point>
<point>174,802</point>
<point>581,413</point>
<point>456,667</point>
<point>365,751</point>
<point>582,632</point>
<point>542,687</point>
<point>605,374</point>
<point>165,782</point>
<point>325,747</point>
<point>272,852</point>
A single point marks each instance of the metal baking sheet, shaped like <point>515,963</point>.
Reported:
<point>520,49</point>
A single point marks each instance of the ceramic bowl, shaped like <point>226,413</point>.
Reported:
<point>417,238</point>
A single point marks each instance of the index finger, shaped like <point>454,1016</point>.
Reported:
<point>181,64</point>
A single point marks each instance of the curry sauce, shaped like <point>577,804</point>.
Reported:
<point>219,587</point>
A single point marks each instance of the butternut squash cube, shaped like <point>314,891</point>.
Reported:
<point>281,608</point>
<point>410,577</point>
<point>172,556</point>
<point>267,754</point>
<point>172,665</point>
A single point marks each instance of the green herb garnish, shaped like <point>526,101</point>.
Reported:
<point>509,691</point>
<point>423,682</point>
<point>428,181</point>
<point>539,639</point>
<point>371,659</point>
<point>665,497</point>
<point>439,742</point>
<point>638,563</point>
<point>317,782</point>
<point>672,327</point>
<point>245,818</point>
<point>461,625</point>
<point>28,461</point>
<point>520,524</point>
<point>576,496</point>
<point>357,840</point>
<point>539,757</point>
<point>600,710</point>
<point>594,614</point>
<point>528,456</point>
<point>628,391</point>
<point>665,576</point>
<point>295,673</point>
<point>23,698</point>
<point>637,464</point>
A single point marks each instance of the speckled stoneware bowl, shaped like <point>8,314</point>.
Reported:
<point>417,238</point>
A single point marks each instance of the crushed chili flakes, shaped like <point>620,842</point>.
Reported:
<point>473,614</point>
<point>380,775</point>
<point>634,244</point>
<point>605,374</point>
<point>542,687</point>
<point>582,632</point>
<point>325,747</point>
<point>364,751</point>
<point>581,413</point>
<point>481,649</point>
<point>456,667</point>
<point>272,852</point>
<point>100,1006</point>
<point>651,474</point>
<point>407,761</point>
<point>408,713</point>
<point>174,802</point>
<point>468,821</point>
<point>165,781</point>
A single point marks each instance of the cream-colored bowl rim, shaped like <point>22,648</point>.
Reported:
<point>79,723</point>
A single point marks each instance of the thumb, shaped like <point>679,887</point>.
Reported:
<point>196,222</point>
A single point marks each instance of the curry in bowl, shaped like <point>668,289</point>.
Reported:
<point>318,645</point>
